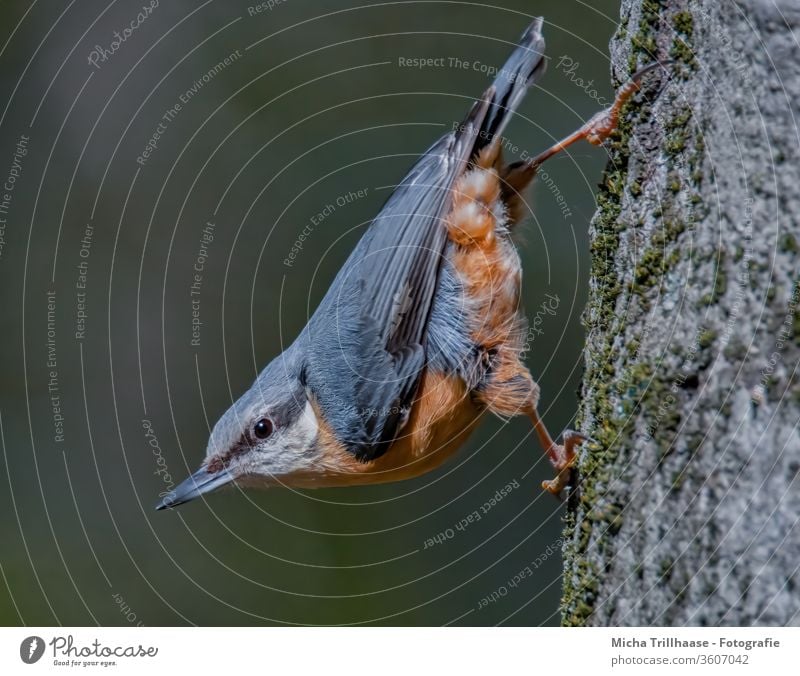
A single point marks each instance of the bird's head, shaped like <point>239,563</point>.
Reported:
<point>266,437</point>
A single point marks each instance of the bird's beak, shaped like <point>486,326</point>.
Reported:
<point>202,481</point>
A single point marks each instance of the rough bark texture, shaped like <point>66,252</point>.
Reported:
<point>689,502</point>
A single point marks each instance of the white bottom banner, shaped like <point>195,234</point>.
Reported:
<point>388,651</point>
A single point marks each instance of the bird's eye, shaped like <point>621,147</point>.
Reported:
<point>263,428</point>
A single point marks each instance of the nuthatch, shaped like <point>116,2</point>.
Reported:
<point>420,333</point>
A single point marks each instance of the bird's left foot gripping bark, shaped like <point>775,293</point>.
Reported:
<point>562,456</point>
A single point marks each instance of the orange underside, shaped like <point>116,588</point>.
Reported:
<point>441,419</point>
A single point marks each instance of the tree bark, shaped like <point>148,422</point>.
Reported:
<point>688,506</point>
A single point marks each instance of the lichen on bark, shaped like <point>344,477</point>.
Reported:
<point>684,311</point>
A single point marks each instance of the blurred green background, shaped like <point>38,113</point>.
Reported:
<point>314,105</point>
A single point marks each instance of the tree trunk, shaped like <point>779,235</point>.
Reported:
<point>688,504</point>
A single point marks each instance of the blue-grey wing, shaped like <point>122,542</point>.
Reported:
<point>366,342</point>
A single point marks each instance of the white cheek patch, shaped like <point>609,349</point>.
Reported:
<point>302,435</point>
<point>295,444</point>
<point>307,427</point>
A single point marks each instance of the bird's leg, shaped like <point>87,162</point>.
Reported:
<point>602,124</point>
<point>562,456</point>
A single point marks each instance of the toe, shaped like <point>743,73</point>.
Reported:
<point>572,438</point>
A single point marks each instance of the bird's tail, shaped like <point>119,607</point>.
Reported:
<point>510,85</point>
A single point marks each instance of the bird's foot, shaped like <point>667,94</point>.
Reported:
<point>563,457</point>
<point>600,126</point>
<point>603,124</point>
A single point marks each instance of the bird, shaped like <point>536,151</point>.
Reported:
<point>422,331</point>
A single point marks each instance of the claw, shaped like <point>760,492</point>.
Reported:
<point>573,437</point>
<point>644,70</point>
<point>603,123</point>
<point>563,459</point>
